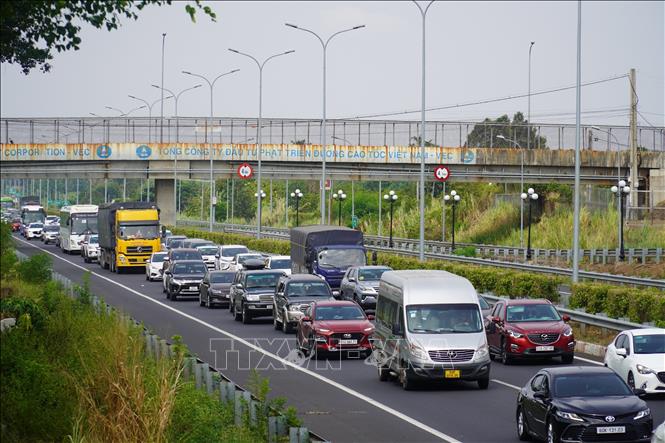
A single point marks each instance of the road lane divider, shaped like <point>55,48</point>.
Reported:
<point>345,389</point>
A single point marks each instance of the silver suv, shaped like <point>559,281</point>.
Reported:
<point>361,284</point>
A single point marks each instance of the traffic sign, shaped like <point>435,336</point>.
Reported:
<point>354,222</point>
<point>245,171</point>
<point>441,173</point>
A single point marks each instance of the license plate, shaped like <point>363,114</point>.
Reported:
<point>544,348</point>
<point>451,373</point>
<point>348,342</point>
<point>611,430</point>
<point>193,288</point>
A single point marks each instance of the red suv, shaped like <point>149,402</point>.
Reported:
<point>335,326</point>
<point>528,328</point>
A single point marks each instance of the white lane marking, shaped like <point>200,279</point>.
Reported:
<point>517,388</point>
<point>586,360</point>
<point>339,386</point>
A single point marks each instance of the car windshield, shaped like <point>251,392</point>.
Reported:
<point>51,218</point>
<point>243,258</point>
<point>175,244</point>
<point>442,319</point>
<point>284,263</point>
<point>649,344</point>
<point>483,303</point>
<point>84,224</point>
<point>51,228</point>
<point>339,313</point>
<point>190,268</point>
<point>523,313</point>
<point>232,252</point>
<point>170,240</point>
<point>158,258</point>
<point>222,277</point>
<point>371,274</point>
<point>208,250</point>
<point>307,289</point>
<point>36,225</point>
<point>187,255</point>
<point>341,258</point>
<point>93,240</point>
<point>147,232</point>
<point>589,385</point>
<point>33,216</point>
<point>263,280</point>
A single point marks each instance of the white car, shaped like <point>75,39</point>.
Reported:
<point>34,230</point>
<point>52,220</point>
<point>237,263</point>
<point>226,254</point>
<point>153,267</point>
<point>281,262</point>
<point>210,253</point>
<point>638,356</point>
<point>90,248</point>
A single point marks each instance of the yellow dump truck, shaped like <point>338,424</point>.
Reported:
<point>128,234</point>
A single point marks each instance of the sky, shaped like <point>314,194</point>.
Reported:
<point>475,51</point>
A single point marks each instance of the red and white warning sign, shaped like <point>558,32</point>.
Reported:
<point>441,173</point>
<point>245,171</point>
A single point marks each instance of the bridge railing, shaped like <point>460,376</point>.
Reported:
<point>340,132</point>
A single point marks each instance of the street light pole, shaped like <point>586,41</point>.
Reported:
<point>528,112</point>
<point>391,197</point>
<point>161,113</point>
<point>578,139</point>
<point>521,186</point>
<point>212,181</point>
<point>297,195</point>
<point>324,45</point>
<point>621,191</point>
<point>149,106</point>
<point>531,196</point>
<point>454,196</point>
<point>258,126</point>
<point>340,196</point>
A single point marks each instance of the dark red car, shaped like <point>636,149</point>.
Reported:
<point>16,225</point>
<point>528,328</point>
<point>335,326</point>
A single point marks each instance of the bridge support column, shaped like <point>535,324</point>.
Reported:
<point>164,199</point>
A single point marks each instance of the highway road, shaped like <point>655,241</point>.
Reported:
<point>343,402</point>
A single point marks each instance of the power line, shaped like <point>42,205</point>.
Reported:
<point>482,102</point>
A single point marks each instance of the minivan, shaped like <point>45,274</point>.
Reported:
<point>429,327</point>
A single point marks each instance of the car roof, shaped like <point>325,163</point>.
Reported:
<point>262,271</point>
<point>249,253</point>
<point>184,250</point>
<point>574,370</point>
<point>646,331</point>
<point>157,253</point>
<point>371,267</point>
<point>279,257</point>
<point>422,286</point>
<point>177,262</point>
<point>526,301</point>
<point>334,303</point>
<point>302,277</point>
<point>234,246</point>
<point>221,272</point>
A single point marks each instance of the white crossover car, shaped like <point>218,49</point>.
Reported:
<point>638,356</point>
<point>153,267</point>
<point>34,230</point>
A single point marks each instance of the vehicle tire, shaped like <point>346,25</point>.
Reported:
<point>276,323</point>
<point>246,317</point>
<point>484,383</point>
<point>405,379</point>
<point>492,355</point>
<point>552,436</point>
<point>285,324</point>
<point>208,303</point>
<point>384,372</point>
<point>522,427</point>
<point>236,315</point>
<point>174,296</point>
<point>506,359</point>
<point>201,302</point>
<point>567,359</point>
<point>631,380</point>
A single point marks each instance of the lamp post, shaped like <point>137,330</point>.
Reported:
<point>521,185</point>
<point>324,45</point>
<point>340,197</point>
<point>260,123</point>
<point>212,182</point>
<point>149,106</point>
<point>528,112</point>
<point>161,108</point>
<point>423,12</point>
<point>391,197</point>
<point>621,191</point>
<point>297,195</point>
<point>177,97</point>
<point>454,196</point>
<point>260,195</point>
<point>532,197</point>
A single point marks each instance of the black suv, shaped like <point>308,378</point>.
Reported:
<point>293,295</point>
<point>183,278</point>
<point>180,254</point>
<point>252,293</point>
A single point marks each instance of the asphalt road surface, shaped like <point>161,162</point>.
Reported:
<point>341,399</point>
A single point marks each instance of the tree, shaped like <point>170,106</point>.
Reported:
<point>415,141</point>
<point>31,30</point>
<point>485,134</point>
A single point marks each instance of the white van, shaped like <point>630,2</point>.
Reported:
<point>429,327</point>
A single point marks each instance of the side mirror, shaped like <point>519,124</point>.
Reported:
<point>217,255</point>
<point>622,352</point>
<point>168,273</point>
<point>565,318</point>
<point>166,259</point>
<point>396,330</point>
<point>543,395</point>
<point>239,286</point>
<point>306,319</point>
<point>640,392</point>
<point>370,316</point>
<point>496,320</point>
<point>351,279</point>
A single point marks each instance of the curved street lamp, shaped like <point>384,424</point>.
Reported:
<point>297,195</point>
<point>391,197</point>
<point>340,197</point>
<point>532,197</point>
<point>454,196</point>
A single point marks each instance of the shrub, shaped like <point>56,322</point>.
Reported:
<point>468,251</point>
<point>36,269</point>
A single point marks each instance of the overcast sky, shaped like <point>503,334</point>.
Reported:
<point>475,51</point>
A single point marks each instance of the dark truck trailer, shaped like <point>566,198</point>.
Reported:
<point>327,251</point>
<point>32,200</point>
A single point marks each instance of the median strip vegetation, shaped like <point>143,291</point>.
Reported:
<point>639,305</point>
<point>71,372</point>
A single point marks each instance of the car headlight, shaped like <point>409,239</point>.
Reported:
<point>644,413</point>
<point>294,308</point>
<point>569,416</point>
<point>515,334</point>
<point>253,297</point>
<point>122,258</point>
<point>370,329</point>
<point>417,351</point>
<point>644,370</point>
<point>568,332</point>
<point>367,289</point>
<point>177,282</point>
<point>321,338</point>
<point>216,292</point>
<point>482,352</point>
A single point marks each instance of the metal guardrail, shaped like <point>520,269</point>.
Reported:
<point>411,248</point>
<point>599,320</point>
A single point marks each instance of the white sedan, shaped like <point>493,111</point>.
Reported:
<point>638,356</point>
<point>153,266</point>
<point>281,262</point>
